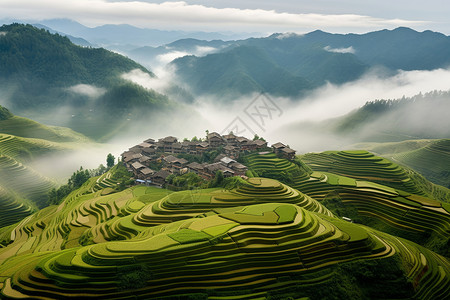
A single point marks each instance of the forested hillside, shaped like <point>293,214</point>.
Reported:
<point>46,77</point>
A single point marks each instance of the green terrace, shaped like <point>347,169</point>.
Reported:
<point>396,211</point>
<point>12,208</point>
<point>262,238</point>
<point>433,161</point>
<point>246,252</point>
<point>23,181</point>
<point>25,149</point>
<point>363,165</point>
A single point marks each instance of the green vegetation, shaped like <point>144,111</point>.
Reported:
<point>5,114</point>
<point>110,161</point>
<point>23,181</point>
<point>267,251</point>
<point>288,64</point>
<point>27,128</point>
<point>79,87</point>
<point>421,117</point>
<point>186,181</point>
<point>254,238</point>
<point>432,161</point>
<point>75,181</point>
<point>392,210</point>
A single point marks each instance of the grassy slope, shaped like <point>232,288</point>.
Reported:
<point>264,251</point>
<point>24,127</point>
<point>46,76</point>
<point>395,210</point>
<point>431,158</point>
<point>21,141</point>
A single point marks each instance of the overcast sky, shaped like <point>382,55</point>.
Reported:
<point>241,15</point>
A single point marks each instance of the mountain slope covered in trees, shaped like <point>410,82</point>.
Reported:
<point>317,57</point>
<point>46,77</point>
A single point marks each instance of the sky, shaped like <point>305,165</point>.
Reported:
<point>270,16</point>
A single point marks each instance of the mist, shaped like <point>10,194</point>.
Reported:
<point>300,122</point>
<point>291,120</point>
<point>87,90</point>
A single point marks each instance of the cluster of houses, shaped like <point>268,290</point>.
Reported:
<point>139,159</point>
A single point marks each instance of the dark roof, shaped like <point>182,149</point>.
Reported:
<point>144,158</point>
<point>145,145</point>
<point>259,143</point>
<point>195,165</point>
<point>149,150</point>
<point>226,160</point>
<point>137,165</point>
<point>147,171</point>
<point>214,134</point>
<point>162,174</point>
<point>170,159</point>
<point>182,161</point>
<point>219,157</point>
<point>236,165</point>
<point>169,139</point>
<point>229,147</point>
<point>288,150</point>
<point>230,136</point>
<point>128,158</point>
<point>150,141</point>
<point>242,139</point>
<point>218,167</point>
<point>278,145</point>
<point>127,153</point>
<point>135,149</point>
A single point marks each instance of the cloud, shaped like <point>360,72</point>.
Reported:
<point>286,35</point>
<point>87,90</point>
<point>189,16</point>
<point>328,101</point>
<point>203,50</point>
<point>159,84</point>
<point>340,50</point>
<point>168,57</point>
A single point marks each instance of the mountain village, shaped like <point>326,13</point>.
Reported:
<point>152,161</point>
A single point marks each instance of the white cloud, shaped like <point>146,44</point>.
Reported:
<point>143,79</point>
<point>286,35</point>
<point>87,90</point>
<point>168,57</point>
<point>340,50</point>
<point>181,15</point>
<point>326,102</point>
<point>203,50</point>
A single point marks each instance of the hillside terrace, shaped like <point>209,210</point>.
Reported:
<point>147,159</point>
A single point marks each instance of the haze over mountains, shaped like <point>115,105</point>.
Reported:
<point>331,225</point>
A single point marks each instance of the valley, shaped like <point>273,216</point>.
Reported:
<point>308,165</point>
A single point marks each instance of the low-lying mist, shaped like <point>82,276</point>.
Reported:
<point>279,119</point>
<point>291,121</point>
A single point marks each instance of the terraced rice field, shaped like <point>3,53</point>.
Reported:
<point>22,189</point>
<point>433,161</point>
<point>362,165</point>
<point>13,209</point>
<point>23,181</point>
<point>244,252</point>
<point>260,240</point>
<point>27,148</point>
<point>398,209</point>
<point>27,128</point>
